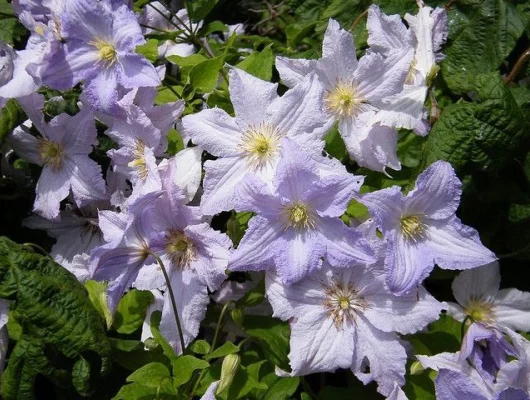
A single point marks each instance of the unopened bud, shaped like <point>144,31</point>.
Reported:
<point>416,368</point>
<point>237,316</point>
<point>228,371</point>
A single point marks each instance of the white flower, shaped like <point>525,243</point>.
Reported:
<point>347,318</point>
<point>478,295</point>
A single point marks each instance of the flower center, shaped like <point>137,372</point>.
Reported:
<point>343,302</point>
<point>480,310</point>
<point>298,216</point>
<point>180,248</point>
<point>138,161</point>
<point>261,144</point>
<point>343,100</point>
<point>107,52</point>
<point>412,227</point>
<point>51,153</point>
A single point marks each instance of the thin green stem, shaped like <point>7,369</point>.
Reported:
<point>172,298</point>
<point>37,247</point>
<point>212,347</point>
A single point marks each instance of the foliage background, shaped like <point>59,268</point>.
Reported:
<point>479,108</point>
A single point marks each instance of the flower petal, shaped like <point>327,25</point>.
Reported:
<point>511,308</point>
<point>293,70</point>
<point>456,246</point>
<point>52,187</point>
<point>214,131</point>
<point>136,71</point>
<point>437,192</point>
<point>386,32</point>
<point>221,178</point>
<point>479,283</point>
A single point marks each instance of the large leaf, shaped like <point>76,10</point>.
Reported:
<point>58,323</point>
<point>481,35</point>
<point>11,115</point>
<point>131,311</point>
<point>482,135</point>
<point>273,337</point>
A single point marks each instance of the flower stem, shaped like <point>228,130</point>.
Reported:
<point>212,347</point>
<point>172,298</point>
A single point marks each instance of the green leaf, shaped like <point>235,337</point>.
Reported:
<point>203,76</point>
<point>481,35</point>
<point>254,296</point>
<point>334,144</point>
<point>237,225</point>
<point>154,323</point>
<point>97,293</point>
<point>184,366</point>
<point>225,349</point>
<point>200,347</point>
<point>273,337</point>
<point>149,50</point>
<point>443,335</point>
<point>282,388</point>
<point>131,310</point>
<point>11,116</point>
<point>58,321</point>
<point>189,61</point>
<point>198,9</point>
<point>259,64</point>
<point>482,135</point>
<point>151,375</point>
<point>214,26</point>
<point>131,354</point>
<point>11,30</point>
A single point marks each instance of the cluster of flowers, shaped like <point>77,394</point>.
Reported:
<point>348,291</point>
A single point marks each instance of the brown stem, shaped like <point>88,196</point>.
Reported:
<point>518,65</point>
<point>357,20</point>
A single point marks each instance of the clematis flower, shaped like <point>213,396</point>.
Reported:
<point>251,142</point>
<point>347,318</point>
<point>156,15</point>
<point>128,248</point>
<point>99,43</point>
<point>354,93</point>
<point>458,377</point>
<point>4,337</point>
<point>487,349</point>
<point>77,233</point>
<point>297,223</point>
<point>422,230</point>
<point>478,295</point>
<point>62,150</point>
<point>427,32</point>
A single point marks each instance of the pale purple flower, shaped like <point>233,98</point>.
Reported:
<point>4,337</point>
<point>421,229</point>
<point>397,394</point>
<point>100,38</point>
<point>62,150</point>
<point>251,141</point>
<point>129,247</point>
<point>354,93</point>
<point>487,349</point>
<point>458,377</point>
<point>478,295</point>
<point>77,233</point>
<point>427,32</point>
<point>297,222</point>
<point>347,318</point>
<point>155,15</point>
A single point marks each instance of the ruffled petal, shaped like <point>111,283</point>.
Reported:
<point>339,58</point>
<point>250,97</point>
<point>293,70</point>
<point>378,356</point>
<point>214,131</point>
<point>386,32</point>
<point>456,246</point>
<point>52,187</point>
<point>437,192</point>
<point>221,178</point>
<point>102,91</point>
<point>479,283</point>
<point>86,179</point>
<point>136,71</point>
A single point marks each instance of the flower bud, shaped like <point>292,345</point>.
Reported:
<point>237,316</point>
<point>228,371</point>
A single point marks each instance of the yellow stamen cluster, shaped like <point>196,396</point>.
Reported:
<point>51,153</point>
<point>261,144</point>
<point>412,227</point>
<point>480,310</point>
<point>138,161</point>
<point>180,248</point>
<point>343,303</point>
<point>343,100</point>
<point>298,216</point>
<point>107,52</point>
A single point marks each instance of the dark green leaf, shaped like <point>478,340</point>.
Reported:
<point>198,9</point>
<point>200,347</point>
<point>10,117</point>
<point>225,349</point>
<point>57,319</point>
<point>184,366</point>
<point>259,64</point>
<point>273,337</point>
